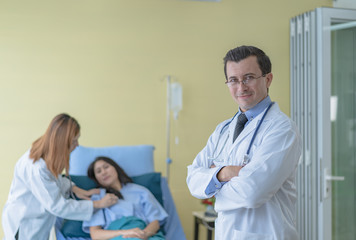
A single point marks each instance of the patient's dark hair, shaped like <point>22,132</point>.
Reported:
<point>123,177</point>
<point>243,52</point>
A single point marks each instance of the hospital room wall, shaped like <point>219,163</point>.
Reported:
<point>105,62</point>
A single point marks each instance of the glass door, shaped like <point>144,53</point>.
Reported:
<point>337,123</point>
<point>343,130</point>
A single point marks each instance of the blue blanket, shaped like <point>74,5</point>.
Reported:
<point>129,223</point>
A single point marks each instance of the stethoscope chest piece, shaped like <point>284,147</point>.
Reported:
<point>246,159</point>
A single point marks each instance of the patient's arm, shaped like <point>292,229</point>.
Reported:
<point>84,194</point>
<point>97,233</point>
<point>151,228</point>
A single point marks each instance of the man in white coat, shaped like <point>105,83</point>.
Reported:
<point>252,173</point>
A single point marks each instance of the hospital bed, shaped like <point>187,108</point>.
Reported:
<point>137,162</point>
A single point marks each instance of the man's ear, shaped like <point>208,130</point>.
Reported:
<point>269,78</point>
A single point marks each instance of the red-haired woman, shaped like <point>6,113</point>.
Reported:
<point>39,193</point>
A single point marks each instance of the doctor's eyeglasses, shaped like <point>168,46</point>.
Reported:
<point>246,80</point>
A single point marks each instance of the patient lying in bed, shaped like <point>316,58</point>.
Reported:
<point>137,214</point>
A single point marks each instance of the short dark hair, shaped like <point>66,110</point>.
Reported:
<point>239,53</point>
<point>123,177</point>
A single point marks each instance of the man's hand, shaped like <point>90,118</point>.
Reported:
<point>228,172</point>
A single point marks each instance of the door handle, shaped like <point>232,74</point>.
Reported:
<point>327,181</point>
<point>334,178</point>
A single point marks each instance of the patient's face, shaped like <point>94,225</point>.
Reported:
<point>106,174</point>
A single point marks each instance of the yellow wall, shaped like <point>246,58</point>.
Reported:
<point>104,62</point>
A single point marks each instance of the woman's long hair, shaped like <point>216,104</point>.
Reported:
<point>54,146</point>
<point>123,177</point>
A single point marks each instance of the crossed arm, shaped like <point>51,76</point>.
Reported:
<point>226,173</point>
<point>271,166</point>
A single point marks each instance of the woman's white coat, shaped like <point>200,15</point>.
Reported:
<point>36,197</point>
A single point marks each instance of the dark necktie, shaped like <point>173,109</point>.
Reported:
<point>240,124</point>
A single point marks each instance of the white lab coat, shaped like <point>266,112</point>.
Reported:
<point>36,197</point>
<point>260,202</point>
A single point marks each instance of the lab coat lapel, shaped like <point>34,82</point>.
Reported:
<point>249,129</point>
<point>232,126</point>
<point>242,135</point>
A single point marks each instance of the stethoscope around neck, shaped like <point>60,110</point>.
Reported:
<point>247,155</point>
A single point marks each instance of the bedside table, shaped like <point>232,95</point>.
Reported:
<point>207,222</point>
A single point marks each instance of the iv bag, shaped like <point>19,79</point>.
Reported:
<point>176,103</point>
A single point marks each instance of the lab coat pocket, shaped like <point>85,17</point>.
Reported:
<point>239,235</point>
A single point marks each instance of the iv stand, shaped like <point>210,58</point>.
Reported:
<point>168,159</point>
